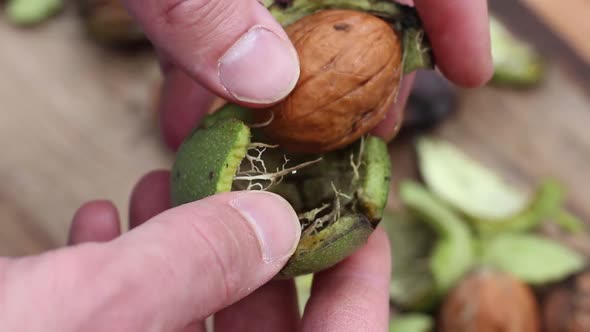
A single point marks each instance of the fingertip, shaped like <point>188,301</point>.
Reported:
<point>374,255</point>
<point>237,49</point>
<point>252,312</point>
<point>390,126</point>
<point>379,242</point>
<point>474,74</point>
<point>353,295</point>
<point>460,36</point>
<point>95,221</point>
<point>150,197</point>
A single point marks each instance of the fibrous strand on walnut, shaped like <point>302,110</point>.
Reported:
<point>257,176</point>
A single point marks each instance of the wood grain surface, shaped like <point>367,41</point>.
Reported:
<point>569,18</point>
<point>77,124</point>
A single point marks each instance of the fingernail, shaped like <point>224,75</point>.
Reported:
<point>260,67</point>
<point>273,221</point>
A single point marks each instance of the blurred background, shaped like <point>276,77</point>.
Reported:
<point>78,93</point>
<point>78,119</point>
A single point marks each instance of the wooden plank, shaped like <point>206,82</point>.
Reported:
<point>531,28</point>
<point>569,19</point>
<point>76,125</point>
<point>524,135</point>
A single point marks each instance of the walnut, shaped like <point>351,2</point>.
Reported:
<point>351,65</point>
<point>490,301</point>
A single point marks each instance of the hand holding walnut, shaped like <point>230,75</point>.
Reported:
<point>176,267</point>
<point>236,50</point>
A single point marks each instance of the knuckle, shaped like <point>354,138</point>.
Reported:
<point>220,248</point>
<point>204,13</point>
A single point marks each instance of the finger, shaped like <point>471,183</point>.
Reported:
<point>150,197</point>
<point>194,327</point>
<point>235,48</point>
<point>460,36</point>
<point>182,105</point>
<point>179,267</point>
<point>354,295</point>
<point>273,307</point>
<point>390,126</point>
<point>96,221</point>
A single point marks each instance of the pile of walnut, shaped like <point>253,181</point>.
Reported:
<point>488,301</point>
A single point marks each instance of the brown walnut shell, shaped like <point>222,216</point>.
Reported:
<point>351,65</point>
<point>490,301</point>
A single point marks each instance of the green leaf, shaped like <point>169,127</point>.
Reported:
<point>453,254</point>
<point>411,241</point>
<point>465,184</point>
<point>545,205</point>
<point>516,63</point>
<point>412,322</point>
<point>569,222</point>
<point>531,258</point>
<point>31,12</point>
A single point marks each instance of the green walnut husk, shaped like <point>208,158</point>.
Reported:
<point>412,285</point>
<point>404,19</point>
<point>453,253</point>
<point>32,12</point>
<point>465,184</point>
<point>491,204</point>
<point>516,63</point>
<point>412,322</point>
<point>545,204</point>
<point>339,196</point>
<point>431,249</point>
<point>531,258</point>
<point>108,23</point>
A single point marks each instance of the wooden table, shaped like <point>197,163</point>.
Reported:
<point>77,124</point>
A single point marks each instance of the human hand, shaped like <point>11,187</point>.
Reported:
<point>204,52</point>
<point>176,267</point>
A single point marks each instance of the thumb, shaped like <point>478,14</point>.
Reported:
<point>182,265</point>
<point>235,48</point>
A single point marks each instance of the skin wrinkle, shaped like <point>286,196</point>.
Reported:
<point>173,273</point>
<point>130,287</point>
<point>188,13</point>
<point>58,276</point>
<point>227,285</point>
<point>202,18</point>
<point>127,288</point>
<point>231,283</point>
<point>236,279</point>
